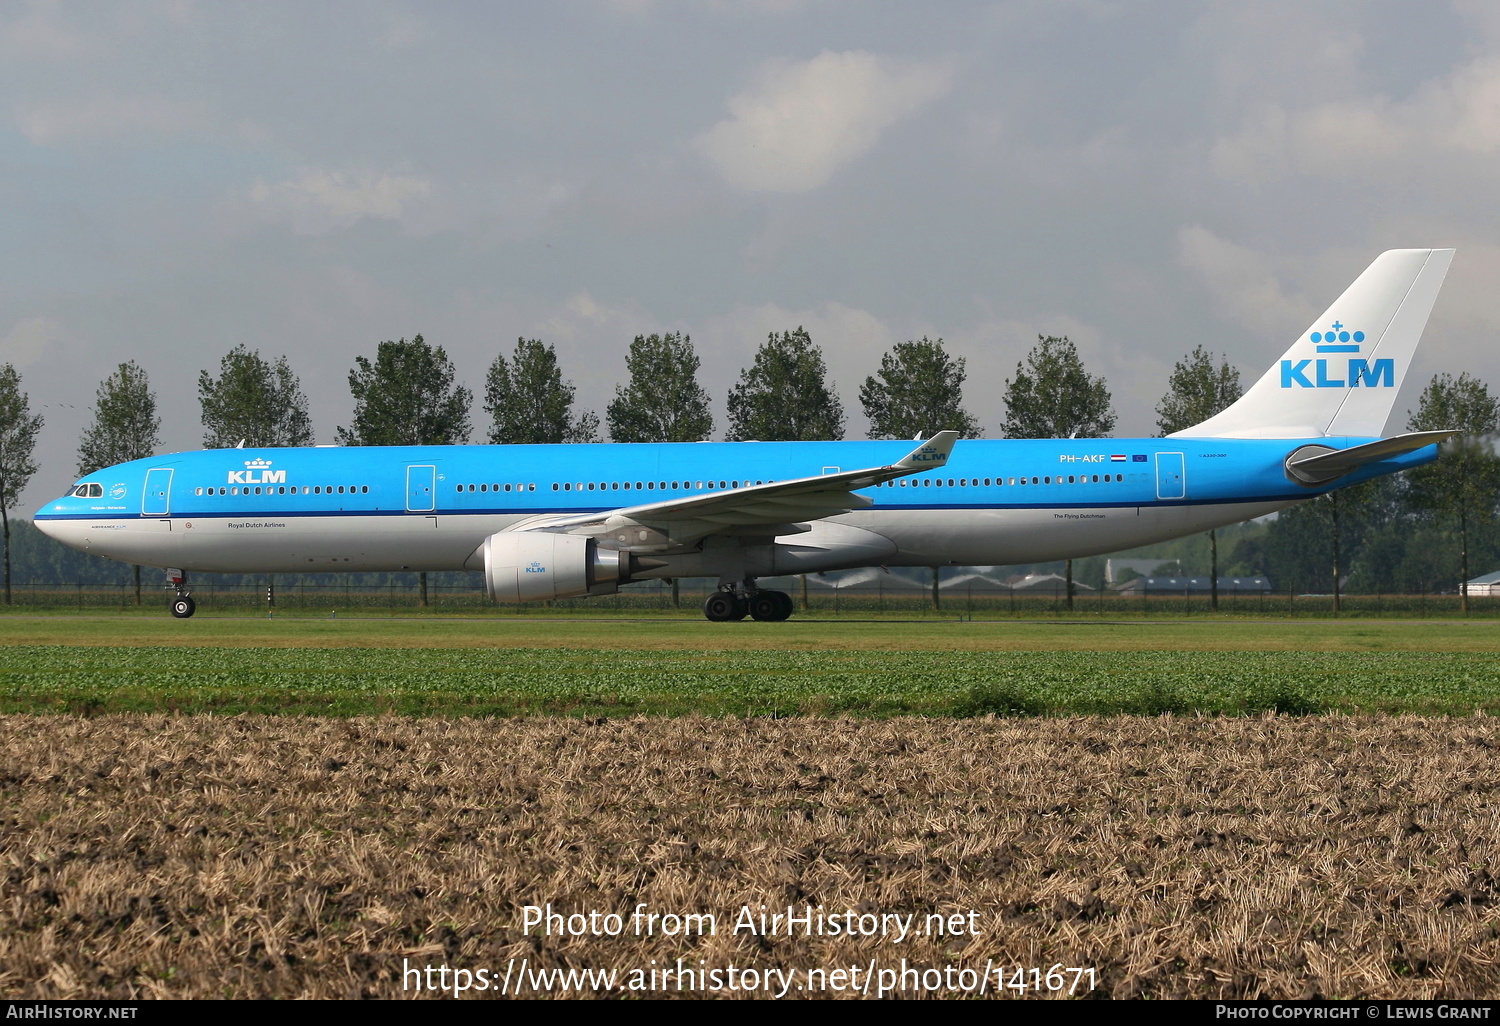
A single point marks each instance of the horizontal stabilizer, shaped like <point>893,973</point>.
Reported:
<point>1324,465</point>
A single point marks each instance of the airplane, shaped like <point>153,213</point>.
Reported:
<point>546,522</point>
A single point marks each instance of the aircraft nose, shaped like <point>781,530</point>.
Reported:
<point>65,531</point>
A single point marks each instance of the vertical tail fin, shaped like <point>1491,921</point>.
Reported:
<point>1342,375</point>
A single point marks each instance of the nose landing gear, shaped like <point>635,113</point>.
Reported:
<point>182,605</point>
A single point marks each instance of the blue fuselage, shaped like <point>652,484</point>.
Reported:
<point>431,507</point>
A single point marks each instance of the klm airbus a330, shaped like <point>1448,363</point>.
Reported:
<point>550,522</point>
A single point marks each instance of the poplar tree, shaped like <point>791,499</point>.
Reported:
<point>1052,396</point>
<point>125,428</point>
<point>407,396</point>
<point>917,391</point>
<point>529,402</point>
<point>663,401</point>
<point>253,401</point>
<point>785,394</point>
<point>1196,391</point>
<point>1463,484</point>
<point>18,432</point>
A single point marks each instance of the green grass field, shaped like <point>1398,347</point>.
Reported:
<point>622,667</point>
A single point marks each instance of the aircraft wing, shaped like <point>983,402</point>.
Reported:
<point>754,509</point>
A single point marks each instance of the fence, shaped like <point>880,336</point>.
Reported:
<point>825,597</point>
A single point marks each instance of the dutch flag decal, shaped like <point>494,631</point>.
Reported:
<point>1118,459</point>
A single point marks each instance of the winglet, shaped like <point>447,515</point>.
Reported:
<point>932,453</point>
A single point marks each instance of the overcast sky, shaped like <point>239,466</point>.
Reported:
<point>309,179</point>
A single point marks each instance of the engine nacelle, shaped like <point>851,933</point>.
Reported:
<point>534,566</point>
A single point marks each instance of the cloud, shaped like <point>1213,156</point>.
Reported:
<point>86,119</point>
<point>43,32</point>
<point>803,120</point>
<point>318,200</point>
<point>1241,282</point>
<point>24,343</point>
<point>1372,137</point>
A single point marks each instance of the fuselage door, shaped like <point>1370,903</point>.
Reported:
<point>421,493</point>
<point>1169,482</point>
<point>155,499</point>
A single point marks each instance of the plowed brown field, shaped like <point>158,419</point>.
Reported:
<point>259,857</point>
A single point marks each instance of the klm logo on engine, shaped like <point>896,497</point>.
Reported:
<point>534,568</point>
<point>257,471</point>
<point>1350,372</point>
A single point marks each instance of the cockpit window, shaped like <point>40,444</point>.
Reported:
<point>88,490</point>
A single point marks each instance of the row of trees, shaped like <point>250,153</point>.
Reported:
<point>409,394</point>
<point>1406,533</point>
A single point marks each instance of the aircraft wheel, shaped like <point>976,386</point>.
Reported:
<point>763,606</point>
<point>784,605</point>
<point>722,607</point>
<point>183,607</point>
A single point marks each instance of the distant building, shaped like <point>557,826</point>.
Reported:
<point>1115,567</point>
<point>1194,586</point>
<point>1045,584</point>
<point>1487,585</point>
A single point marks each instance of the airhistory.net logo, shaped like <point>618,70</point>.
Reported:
<point>1357,371</point>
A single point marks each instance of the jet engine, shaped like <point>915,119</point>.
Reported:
<point>534,566</point>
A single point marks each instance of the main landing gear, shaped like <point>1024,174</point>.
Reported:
<point>726,605</point>
<point>182,605</point>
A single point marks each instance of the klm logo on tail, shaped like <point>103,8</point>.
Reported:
<point>1356,371</point>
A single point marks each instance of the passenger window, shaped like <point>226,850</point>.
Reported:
<point>364,488</point>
